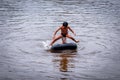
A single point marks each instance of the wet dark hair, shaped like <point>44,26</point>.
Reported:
<point>65,24</point>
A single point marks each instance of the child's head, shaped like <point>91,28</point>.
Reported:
<point>65,24</point>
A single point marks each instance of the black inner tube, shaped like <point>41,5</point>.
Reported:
<point>66,46</point>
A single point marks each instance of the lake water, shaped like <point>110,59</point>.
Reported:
<point>27,26</point>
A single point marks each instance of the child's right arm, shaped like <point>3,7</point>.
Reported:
<point>56,31</point>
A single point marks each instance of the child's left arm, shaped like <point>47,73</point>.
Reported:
<point>71,31</point>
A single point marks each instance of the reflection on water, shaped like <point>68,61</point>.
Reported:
<point>65,61</point>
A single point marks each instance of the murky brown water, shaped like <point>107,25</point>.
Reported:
<point>26,24</point>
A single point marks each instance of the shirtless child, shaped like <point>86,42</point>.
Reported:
<point>64,33</point>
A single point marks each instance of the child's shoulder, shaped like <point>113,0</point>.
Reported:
<point>61,26</point>
<point>68,26</point>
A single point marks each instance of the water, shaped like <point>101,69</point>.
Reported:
<point>27,26</point>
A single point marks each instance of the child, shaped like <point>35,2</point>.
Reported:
<point>64,33</point>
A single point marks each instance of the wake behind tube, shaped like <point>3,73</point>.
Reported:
<point>66,46</point>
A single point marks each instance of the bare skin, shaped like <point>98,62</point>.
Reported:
<point>64,34</point>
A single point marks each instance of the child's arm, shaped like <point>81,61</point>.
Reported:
<point>56,31</point>
<point>71,30</point>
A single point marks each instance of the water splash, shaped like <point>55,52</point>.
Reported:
<point>46,44</point>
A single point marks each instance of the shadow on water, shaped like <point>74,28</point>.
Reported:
<point>63,51</point>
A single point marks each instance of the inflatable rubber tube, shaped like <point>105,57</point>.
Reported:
<point>66,46</point>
